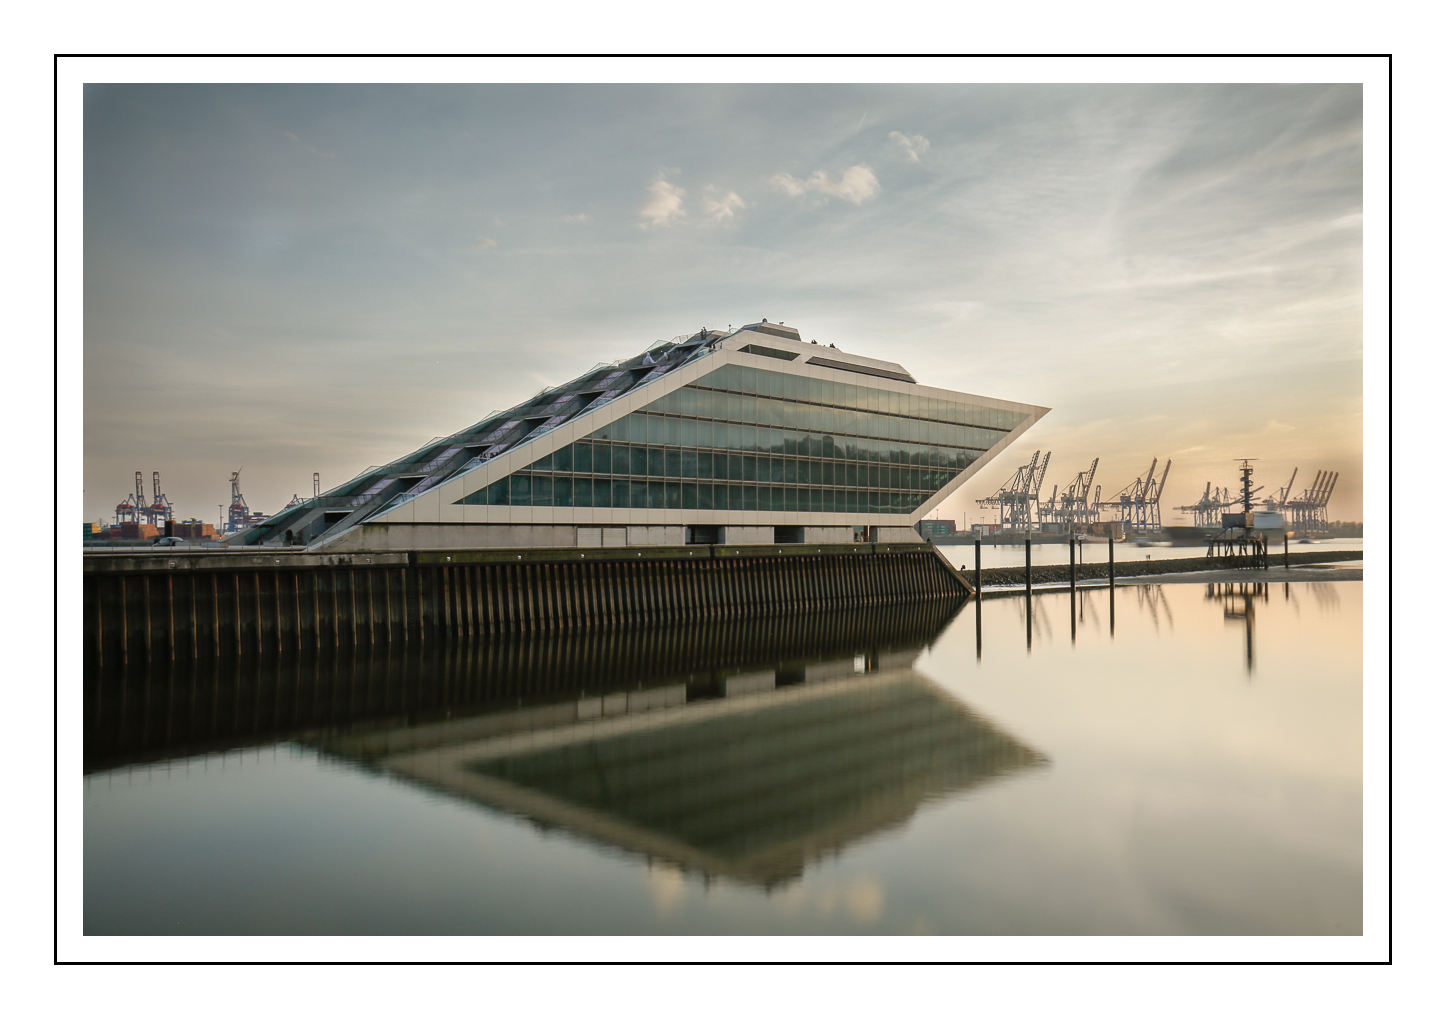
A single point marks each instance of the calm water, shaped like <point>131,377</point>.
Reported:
<point>1009,768</point>
<point>1055,554</point>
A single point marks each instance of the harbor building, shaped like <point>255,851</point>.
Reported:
<point>751,436</point>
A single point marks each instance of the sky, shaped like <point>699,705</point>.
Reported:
<point>285,279</point>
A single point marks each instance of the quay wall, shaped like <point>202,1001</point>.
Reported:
<point>163,605</point>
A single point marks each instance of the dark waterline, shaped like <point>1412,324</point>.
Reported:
<point>1014,768</point>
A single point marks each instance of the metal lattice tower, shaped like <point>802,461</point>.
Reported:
<point>1018,497</point>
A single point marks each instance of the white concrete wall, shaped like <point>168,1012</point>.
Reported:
<point>655,534</point>
<point>827,535</point>
<point>747,535</point>
<point>898,534</point>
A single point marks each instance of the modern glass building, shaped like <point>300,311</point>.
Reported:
<point>751,436</point>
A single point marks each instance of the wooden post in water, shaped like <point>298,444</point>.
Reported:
<point>978,573</point>
<point>1028,579</point>
<point>1112,579</point>
<point>1286,539</point>
<point>1071,562</point>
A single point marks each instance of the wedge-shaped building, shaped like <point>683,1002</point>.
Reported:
<point>746,437</point>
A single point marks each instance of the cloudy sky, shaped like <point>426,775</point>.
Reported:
<point>299,278</point>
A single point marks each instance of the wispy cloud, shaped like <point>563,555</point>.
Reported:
<point>294,139</point>
<point>914,145</point>
<point>718,206</point>
<point>664,205</point>
<point>580,217</point>
<point>485,243</point>
<point>857,184</point>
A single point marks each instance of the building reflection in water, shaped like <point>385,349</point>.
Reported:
<point>741,749</point>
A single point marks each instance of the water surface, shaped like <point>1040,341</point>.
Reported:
<point>1011,768</point>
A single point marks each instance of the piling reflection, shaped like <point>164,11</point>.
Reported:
<point>1239,605</point>
<point>740,749</point>
<point>177,709</point>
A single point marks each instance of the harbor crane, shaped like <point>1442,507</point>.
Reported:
<point>1139,503</point>
<point>1018,498</point>
<point>160,510</point>
<point>1308,510</point>
<point>1073,508</point>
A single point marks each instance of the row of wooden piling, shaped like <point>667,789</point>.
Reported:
<point>149,615</point>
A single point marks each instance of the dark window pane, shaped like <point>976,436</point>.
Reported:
<point>790,499</point>
<point>750,472</point>
<point>638,460</point>
<point>498,493</point>
<point>790,472</point>
<point>828,497</point>
<point>655,495</point>
<point>687,432</point>
<point>689,463</point>
<point>750,497</point>
<point>582,457</point>
<point>672,463</point>
<point>582,492</point>
<point>521,490</point>
<point>602,493</point>
<point>815,500</point>
<point>705,497</point>
<point>655,461</point>
<point>657,429</point>
<point>638,495</point>
<point>705,466</point>
<point>621,460</point>
<point>735,468</point>
<point>620,494</point>
<point>670,495</point>
<point>542,464</point>
<point>542,491</point>
<point>689,491</point>
<point>815,472</point>
<point>562,491</point>
<point>735,497</point>
<point>562,459</point>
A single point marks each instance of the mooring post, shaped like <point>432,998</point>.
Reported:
<point>1286,539</point>
<point>1112,575</point>
<point>1028,581</point>
<point>1071,562</point>
<point>978,573</point>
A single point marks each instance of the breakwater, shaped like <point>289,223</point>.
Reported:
<point>1008,576</point>
<point>162,606</point>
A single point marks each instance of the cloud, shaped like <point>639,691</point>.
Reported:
<point>857,184</point>
<point>485,243</point>
<point>718,209</point>
<point>581,217</point>
<point>914,145</point>
<point>664,204</point>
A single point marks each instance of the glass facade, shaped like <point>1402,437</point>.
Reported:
<point>742,438</point>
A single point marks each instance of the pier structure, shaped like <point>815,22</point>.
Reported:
<point>149,607</point>
<point>745,437</point>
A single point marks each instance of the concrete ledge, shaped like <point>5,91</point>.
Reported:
<point>167,560</point>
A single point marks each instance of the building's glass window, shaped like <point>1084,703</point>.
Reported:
<point>774,442</point>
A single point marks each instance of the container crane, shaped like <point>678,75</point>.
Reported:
<point>1016,495</point>
<point>160,510</point>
